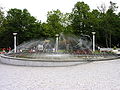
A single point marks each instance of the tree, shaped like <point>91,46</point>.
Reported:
<point>23,23</point>
<point>2,18</point>
<point>53,25</point>
<point>108,24</point>
<point>94,21</point>
<point>79,18</point>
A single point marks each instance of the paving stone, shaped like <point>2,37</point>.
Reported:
<point>101,75</point>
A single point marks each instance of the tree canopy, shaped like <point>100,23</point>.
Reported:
<point>21,22</point>
<point>82,20</point>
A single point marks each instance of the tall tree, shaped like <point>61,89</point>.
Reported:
<point>53,25</point>
<point>23,23</point>
<point>79,18</point>
<point>108,21</point>
<point>2,18</point>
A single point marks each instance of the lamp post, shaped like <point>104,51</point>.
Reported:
<point>14,34</point>
<point>56,46</point>
<point>93,41</point>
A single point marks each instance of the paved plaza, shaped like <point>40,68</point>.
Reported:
<point>101,75</point>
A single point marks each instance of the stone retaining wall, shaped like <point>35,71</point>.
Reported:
<point>22,62</point>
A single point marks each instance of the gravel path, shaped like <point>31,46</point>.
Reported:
<point>103,75</point>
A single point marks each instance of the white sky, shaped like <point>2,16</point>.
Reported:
<point>39,8</point>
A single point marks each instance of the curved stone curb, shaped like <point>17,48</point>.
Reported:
<point>22,62</point>
<point>106,59</point>
<point>31,62</point>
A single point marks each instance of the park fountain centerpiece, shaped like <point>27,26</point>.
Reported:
<point>61,51</point>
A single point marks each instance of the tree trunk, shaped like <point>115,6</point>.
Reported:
<point>106,38</point>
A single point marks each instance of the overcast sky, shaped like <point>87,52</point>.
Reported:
<point>39,8</point>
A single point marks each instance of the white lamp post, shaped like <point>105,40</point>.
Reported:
<point>56,46</point>
<point>93,41</point>
<point>14,34</point>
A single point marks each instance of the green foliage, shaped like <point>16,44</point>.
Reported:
<point>1,17</point>
<point>23,23</point>
<point>80,16</point>
<point>109,25</point>
<point>82,20</point>
<point>53,25</point>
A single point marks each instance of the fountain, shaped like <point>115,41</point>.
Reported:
<point>64,50</point>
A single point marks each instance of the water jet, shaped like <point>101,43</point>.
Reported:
<point>64,50</point>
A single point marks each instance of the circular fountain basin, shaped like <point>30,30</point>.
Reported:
<point>65,50</point>
<point>39,62</point>
<point>53,60</point>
